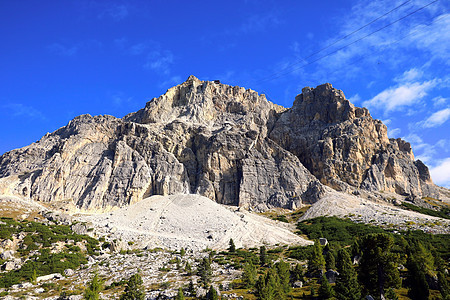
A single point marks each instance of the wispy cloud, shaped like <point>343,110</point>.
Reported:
<point>394,133</point>
<point>63,50</point>
<point>260,22</point>
<point>400,96</point>
<point>380,49</point>
<point>410,75</point>
<point>174,80</point>
<point>22,110</point>
<point>438,101</point>
<point>72,49</point>
<point>440,172</point>
<point>436,119</point>
<point>160,61</point>
<point>116,12</point>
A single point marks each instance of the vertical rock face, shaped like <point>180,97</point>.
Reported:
<point>345,148</point>
<point>226,143</point>
<point>199,137</point>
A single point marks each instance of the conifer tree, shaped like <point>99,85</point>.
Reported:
<point>191,289</point>
<point>262,255</point>
<point>325,289</point>
<point>249,274</point>
<point>284,275</point>
<point>297,273</point>
<point>418,288</point>
<point>330,260</point>
<point>188,269</point>
<point>391,295</point>
<point>347,286</point>
<point>268,287</point>
<point>316,262</point>
<point>232,247</point>
<point>133,289</point>
<point>378,264</point>
<point>33,277</point>
<point>94,288</point>
<point>180,295</point>
<point>204,271</point>
<point>212,294</point>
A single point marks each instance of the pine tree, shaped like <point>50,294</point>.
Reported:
<point>232,247</point>
<point>188,269</point>
<point>284,276</point>
<point>347,286</point>
<point>249,275</point>
<point>191,289</point>
<point>180,295</point>
<point>262,255</point>
<point>182,252</point>
<point>297,273</point>
<point>330,260</point>
<point>316,262</point>
<point>212,294</point>
<point>325,289</point>
<point>33,278</point>
<point>204,271</point>
<point>418,283</point>
<point>133,289</point>
<point>268,287</point>
<point>92,292</point>
<point>391,295</point>
<point>378,264</point>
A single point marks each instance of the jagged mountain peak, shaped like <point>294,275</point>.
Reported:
<point>224,142</point>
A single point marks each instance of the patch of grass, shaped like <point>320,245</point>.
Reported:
<point>443,213</point>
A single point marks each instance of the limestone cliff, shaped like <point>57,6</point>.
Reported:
<point>345,148</point>
<point>226,143</point>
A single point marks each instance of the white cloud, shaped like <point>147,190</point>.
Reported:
<point>21,110</point>
<point>438,101</point>
<point>437,119</point>
<point>400,96</point>
<point>115,12</point>
<point>393,133</point>
<point>160,61</point>
<point>63,50</point>
<point>354,99</point>
<point>410,75</point>
<point>257,23</point>
<point>444,144</point>
<point>174,80</point>
<point>138,48</point>
<point>440,173</point>
<point>434,38</point>
<point>73,49</point>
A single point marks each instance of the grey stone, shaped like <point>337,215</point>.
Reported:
<point>226,143</point>
<point>68,272</point>
<point>7,255</point>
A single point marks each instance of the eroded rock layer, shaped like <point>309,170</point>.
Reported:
<point>226,143</point>
<point>345,148</point>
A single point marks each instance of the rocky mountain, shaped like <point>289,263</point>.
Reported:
<point>226,143</point>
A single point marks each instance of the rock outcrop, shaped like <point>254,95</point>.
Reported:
<point>345,148</point>
<point>199,137</point>
<point>226,143</point>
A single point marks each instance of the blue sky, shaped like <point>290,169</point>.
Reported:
<point>60,59</point>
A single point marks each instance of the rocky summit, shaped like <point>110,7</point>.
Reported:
<point>227,143</point>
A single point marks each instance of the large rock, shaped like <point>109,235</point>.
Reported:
<point>226,143</point>
<point>345,148</point>
<point>199,137</point>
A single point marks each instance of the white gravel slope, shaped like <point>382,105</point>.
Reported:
<point>193,222</point>
<point>380,214</point>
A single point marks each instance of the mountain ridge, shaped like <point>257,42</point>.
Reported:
<point>227,143</point>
